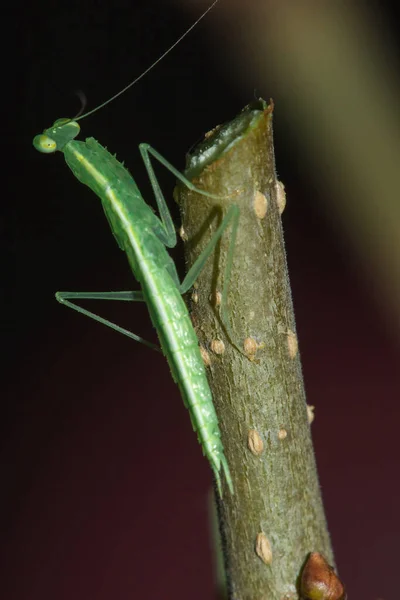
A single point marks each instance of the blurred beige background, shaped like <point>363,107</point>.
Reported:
<point>330,67</point>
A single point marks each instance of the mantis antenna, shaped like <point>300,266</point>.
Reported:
<point>159,59</point>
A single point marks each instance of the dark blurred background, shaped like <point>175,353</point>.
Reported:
<point>104,485</point>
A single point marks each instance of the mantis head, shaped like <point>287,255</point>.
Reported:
<point>55,138</point>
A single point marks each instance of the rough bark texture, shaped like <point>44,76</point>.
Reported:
<point>276,516</point>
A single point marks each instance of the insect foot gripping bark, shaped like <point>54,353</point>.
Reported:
<point>244,319</point>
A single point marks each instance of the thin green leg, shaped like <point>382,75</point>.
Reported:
<point>131,296</point>
<point>168,234</point>
<point>231,217</point>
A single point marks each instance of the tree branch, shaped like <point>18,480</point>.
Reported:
<point>276,517</point>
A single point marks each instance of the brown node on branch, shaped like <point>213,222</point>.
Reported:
<point>319,580</point>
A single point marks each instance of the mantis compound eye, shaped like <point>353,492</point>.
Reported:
<point>44,143</point>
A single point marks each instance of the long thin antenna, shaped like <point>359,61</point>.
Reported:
<point>159,59</point>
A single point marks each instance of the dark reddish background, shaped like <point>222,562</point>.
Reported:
<point>104,486</point>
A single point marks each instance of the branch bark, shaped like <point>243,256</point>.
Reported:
<point>276,517</point>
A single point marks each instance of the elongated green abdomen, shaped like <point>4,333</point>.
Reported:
<point>180,345</point>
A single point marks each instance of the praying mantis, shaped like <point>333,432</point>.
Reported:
<point>145,237</point>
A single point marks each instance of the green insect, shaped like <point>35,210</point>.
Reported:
<point>144,237</point>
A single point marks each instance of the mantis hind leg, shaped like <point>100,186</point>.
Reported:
<point>131,296</point>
